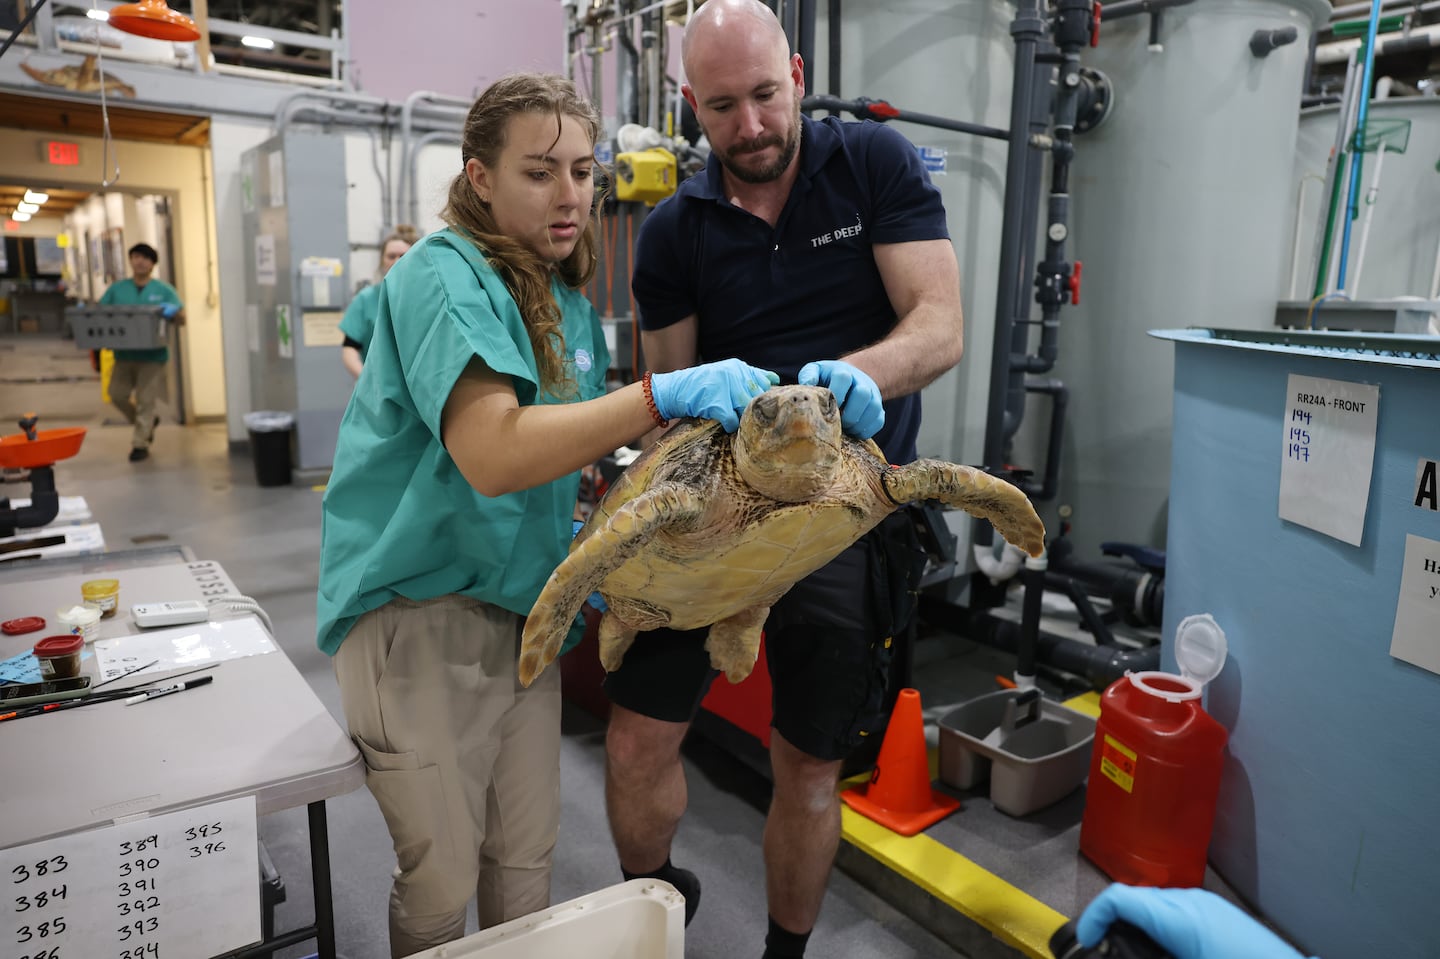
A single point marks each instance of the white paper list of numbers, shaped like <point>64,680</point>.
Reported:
<point>178,886</point>
<point>1327,453</point>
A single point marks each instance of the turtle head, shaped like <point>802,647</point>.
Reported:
<point>789,444</point>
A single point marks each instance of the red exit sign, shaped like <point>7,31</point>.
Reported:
<point>60,153</point>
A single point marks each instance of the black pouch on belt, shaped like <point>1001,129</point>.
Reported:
<point>897,561</point>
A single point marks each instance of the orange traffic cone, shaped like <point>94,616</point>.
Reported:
<point>898,795</point>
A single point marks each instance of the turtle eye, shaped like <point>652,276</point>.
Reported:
<point>764,407</point>
<point>828,404</point>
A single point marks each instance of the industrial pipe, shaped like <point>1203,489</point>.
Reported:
<point>866,108</point>
<point>1130,8</point>
<point>1390,44</point>
<point>1099,665</point>
<point>1264,41</point>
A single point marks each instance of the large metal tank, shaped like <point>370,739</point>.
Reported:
<point>1180,218</point>
<point>1400,253</point>
<point>952,60</point>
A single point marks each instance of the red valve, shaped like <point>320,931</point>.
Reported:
<point>1074,283</point>
<point>1095,26</point>
<point>882,109</point>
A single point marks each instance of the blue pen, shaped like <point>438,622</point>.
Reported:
<point>167,690</point>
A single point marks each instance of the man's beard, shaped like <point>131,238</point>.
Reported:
<point>789,146</point>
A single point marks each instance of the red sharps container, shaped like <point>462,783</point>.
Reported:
<point>1155,768</point>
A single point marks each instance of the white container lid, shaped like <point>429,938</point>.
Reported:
<point>1200,648</point>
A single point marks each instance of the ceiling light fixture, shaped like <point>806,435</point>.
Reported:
<point>154,19</point>
<point>95,14</point>
<point>19,217</point>
<point>259,43</point>
<point>32,196</point>
<point>27,207</point>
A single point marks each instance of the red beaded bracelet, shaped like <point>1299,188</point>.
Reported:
<point>650,401</point>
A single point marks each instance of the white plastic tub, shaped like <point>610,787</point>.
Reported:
<point>639,919</point>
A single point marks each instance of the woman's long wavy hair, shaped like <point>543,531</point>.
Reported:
<point>526,275</point>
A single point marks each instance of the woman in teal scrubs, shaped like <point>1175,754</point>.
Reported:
<point>456,471</point>
<point>358,323</point>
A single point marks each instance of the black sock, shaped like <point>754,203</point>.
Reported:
<point>685,881</point>
<point>781,943</point>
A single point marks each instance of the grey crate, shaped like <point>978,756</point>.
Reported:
<point>118,327</point>
<point>1030,766</point>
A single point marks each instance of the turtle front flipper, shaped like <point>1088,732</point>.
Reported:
<point>976,492</point>
<point>734,642</point>
<point>597,556</point>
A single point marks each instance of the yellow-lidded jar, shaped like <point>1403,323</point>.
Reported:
<point>103,594</point>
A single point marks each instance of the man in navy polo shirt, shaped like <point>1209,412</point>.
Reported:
<point>802,243</point>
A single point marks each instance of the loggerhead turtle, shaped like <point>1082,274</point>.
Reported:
<point>710,529</point>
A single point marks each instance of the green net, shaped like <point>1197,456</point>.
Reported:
<point>1387,133</point>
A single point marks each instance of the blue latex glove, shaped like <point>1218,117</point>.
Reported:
<point>595,600</point>
<point>169,310</point>
<point>713,391</point>
<point>1190,923</point>
<point>861,410</point>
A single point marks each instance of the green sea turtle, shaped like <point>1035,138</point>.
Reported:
<point>710,529</point>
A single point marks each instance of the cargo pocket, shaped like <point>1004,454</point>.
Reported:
<point>412,799</point>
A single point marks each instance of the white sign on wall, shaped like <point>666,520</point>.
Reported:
<point>149,887</point>
<point>1327,453</point>
<point>266,266</point>
<point>1416,638</point>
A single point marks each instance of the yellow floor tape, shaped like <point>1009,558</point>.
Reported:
<point>1012,915</point>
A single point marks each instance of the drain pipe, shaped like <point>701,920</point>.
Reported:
<point>44,504</point>
<point>1028,29</point>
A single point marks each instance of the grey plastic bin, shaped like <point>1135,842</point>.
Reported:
<point>271,435</point>
<point>118,327</point>
<point>1030,767</point>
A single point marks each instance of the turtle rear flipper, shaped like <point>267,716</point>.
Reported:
<point>734,643</point>
<point>976,492</point>
<point>597,556</point>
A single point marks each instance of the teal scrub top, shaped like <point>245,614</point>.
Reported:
<point>154,292</point>
<point>358,323</point>
<point>398,518</point>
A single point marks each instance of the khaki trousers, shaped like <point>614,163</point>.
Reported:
<point>147,382</point>
<point>463,761</point>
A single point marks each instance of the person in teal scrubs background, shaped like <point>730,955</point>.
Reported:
<point>456,472</point>
<point>358,322</point>
<point>142,372</point>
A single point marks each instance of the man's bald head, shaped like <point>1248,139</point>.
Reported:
<point>731,21</point>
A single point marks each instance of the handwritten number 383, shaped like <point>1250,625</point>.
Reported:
<point>44,867</point>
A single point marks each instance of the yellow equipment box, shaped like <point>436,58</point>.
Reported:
<point>645,176</point>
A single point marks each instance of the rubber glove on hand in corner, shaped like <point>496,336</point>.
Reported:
<point>711,391</point>
<point>862,410</point>
<point>169,310</point>
<point>1189,923</point>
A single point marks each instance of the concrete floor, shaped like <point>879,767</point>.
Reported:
<point>196,492</point>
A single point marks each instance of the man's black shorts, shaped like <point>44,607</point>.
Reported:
<point>828,643</point>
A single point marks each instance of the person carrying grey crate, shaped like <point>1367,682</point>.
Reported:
<point>142,372</point>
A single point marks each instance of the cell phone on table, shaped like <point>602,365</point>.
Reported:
<point>32,694</point>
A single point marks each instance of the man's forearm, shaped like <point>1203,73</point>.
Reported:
<point>924,344</point>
